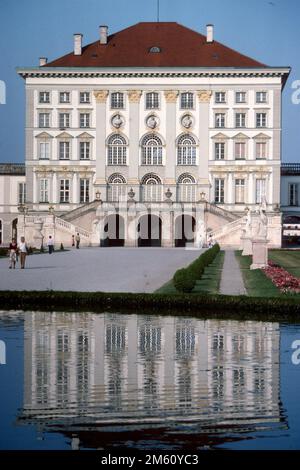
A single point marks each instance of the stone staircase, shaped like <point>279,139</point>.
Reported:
<point>219,211</point>
<point>228,234</point>
<point>79,211</point>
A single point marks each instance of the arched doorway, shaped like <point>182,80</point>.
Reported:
<point>184,230</point>
<point>114,231</point>
<point>149,230</point>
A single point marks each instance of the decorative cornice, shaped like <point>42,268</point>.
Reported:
<point>204,96</point>
<point>171,96</point>
<point>101,95</point>
<point>134,96</point>
<point>130,73</point>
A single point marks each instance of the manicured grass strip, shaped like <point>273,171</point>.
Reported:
<point>289,260</point>
<point>209,282</point>
<point>200,306</point>
<point>256,282</point>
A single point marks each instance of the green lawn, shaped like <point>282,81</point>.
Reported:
<point>209,283</point>
<point>289,260</point>
<point>256,282</point>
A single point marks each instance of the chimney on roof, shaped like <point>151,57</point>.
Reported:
<point>77,44</point>
<point>209,33</point>
<point>43,61</point>
<point>103,34</point>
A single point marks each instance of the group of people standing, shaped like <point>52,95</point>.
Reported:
<point>20,250</point>
<point>16,251</point>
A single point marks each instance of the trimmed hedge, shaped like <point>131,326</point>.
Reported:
<point>185,279</point>
<point>201,306</point>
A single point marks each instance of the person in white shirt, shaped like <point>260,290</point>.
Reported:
<point>50,244</point>
<point>23,251</point>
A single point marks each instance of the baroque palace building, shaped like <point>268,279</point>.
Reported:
<point>154,135</point>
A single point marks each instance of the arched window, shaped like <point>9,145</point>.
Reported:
<point>151,150</point>
<point>151,188</point>
<point>152,100</point>
<point>186,150</point>
<point>116,188</point>
<point>117,150</point>
<point>187,100</point>
<point>1,228</point>
<point>186,188</point>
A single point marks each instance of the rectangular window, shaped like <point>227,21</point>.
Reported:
<point>84,97</point>
<point>84,190</point>
<point>64,150</point>
<point>220,120</point>
<point>261,97</point>
<point>22,193</point>
<point>239,191</point>
<point>117,100</point>
<point>84,120</point>
<point>44,190</point>
<point>219,191</point>
<point>152,100</point>
<point>64,97</point>
<point>44,97</point>
<point>293,194</point>
<point>84,150</point>
<point>187,100</point>
<point>261,119</point>
<point>64,120</point>
<point>261,150</point>
<point>240,150</point>
<point>240,97</point>
<point>260,190</point>
<point>44,150</point>
<point>220,97</point>
<point>219,150</point>
<point>44,120</point>
<point>64,191</point>
<point>240,120</point>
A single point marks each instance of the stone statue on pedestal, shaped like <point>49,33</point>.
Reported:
<point>200,234</point>
<point>262,227</point>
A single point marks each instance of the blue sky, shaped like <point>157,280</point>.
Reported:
<point>265,30</point>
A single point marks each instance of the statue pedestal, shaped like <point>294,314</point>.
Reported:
<point>260,253</point>
<point>247,246</point>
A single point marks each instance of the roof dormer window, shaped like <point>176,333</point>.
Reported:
<point>155,49</point>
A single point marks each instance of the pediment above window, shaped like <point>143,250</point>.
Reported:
<point>240,136</point>
<point>85,135</point>
<point>44,135</point>
<point>64,135</point>
<point>261,136</point>
<point>220,136</point>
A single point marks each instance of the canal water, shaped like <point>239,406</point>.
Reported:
<point>107,381</point>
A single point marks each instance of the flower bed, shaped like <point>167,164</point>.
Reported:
<point>282,279</point>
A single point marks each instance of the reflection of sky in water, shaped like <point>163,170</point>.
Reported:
<point>161,379</point>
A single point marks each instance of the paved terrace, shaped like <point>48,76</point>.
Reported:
<point>97,269</point>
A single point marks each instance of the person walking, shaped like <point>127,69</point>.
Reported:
<point>13,249</point>
<point>73,240</point>
<point>50,244</point>
<point>23,251</point>
<point>77,239</point>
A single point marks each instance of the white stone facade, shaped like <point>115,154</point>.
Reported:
<point>206,137</point>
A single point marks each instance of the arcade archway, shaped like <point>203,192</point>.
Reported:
<point>149,230</point>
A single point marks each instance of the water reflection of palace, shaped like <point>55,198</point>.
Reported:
<point>110,368</point>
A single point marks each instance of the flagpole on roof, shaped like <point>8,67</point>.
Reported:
<point>158,11</point>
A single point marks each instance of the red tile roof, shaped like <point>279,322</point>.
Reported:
<point>180,47</point>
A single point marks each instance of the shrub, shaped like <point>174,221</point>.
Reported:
<point>184,278</point>
<point>184,281</point>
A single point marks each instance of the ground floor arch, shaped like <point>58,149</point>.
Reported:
<point>114,231</point>
<point>149,230</point>
<point>184,230</point>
